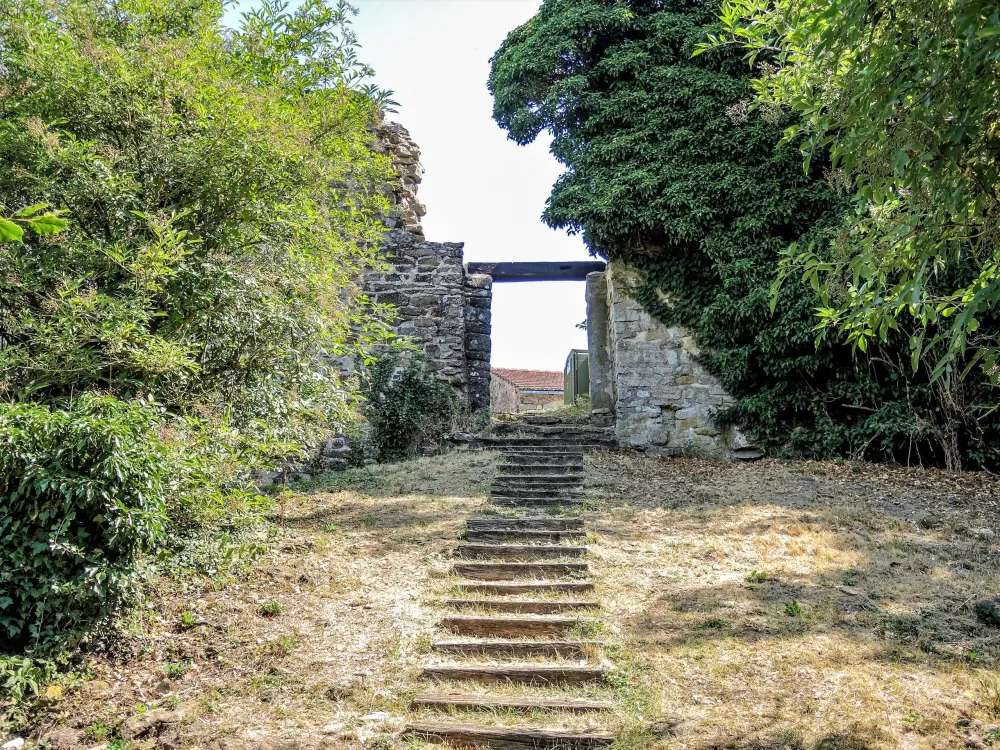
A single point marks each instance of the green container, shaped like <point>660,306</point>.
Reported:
<point>577,376</point>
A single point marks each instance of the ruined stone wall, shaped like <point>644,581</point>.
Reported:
<point>427,287</point>
<point>534,401</point>
<point>664,399</point>
<point>443,311</point>
<point>393,140</point>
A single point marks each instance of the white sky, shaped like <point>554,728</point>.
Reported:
<point>479,188</point>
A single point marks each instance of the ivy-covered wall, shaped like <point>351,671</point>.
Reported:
<point>665,400</point>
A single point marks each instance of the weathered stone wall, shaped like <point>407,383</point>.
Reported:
<point>427,287</point>
<point>664,399</point>
<point>503,396</point>
<point>443,311</point>
<point>539,401</point>
<point>393,140</point>
<point>478,344</point>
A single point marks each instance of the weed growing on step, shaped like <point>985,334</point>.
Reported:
<point>187,620</point>
<point>759,576</point>
<point>588,629</point>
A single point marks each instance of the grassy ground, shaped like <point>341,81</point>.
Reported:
<point>803,605</point>
<point>798,606</point>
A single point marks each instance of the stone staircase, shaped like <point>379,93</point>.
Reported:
<point>514,643</point>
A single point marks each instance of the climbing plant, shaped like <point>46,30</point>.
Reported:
<point>406,407</point>
<point>671,168</point>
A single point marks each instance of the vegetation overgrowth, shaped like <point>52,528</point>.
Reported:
<point>674,169</point>
<point>188,210</point>
<point>406,407</point>
<point>902,96</point>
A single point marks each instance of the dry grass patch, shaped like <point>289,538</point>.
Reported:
<point>325,627</point>
<point>801,605</point>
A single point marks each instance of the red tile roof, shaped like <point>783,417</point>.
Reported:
<point>532,380</point>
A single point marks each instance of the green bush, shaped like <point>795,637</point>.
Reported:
<point>185,211</point>
<point>82,494</point>
<point>407,407</point>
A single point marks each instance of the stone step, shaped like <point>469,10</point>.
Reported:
<point>549,445</point>
<point>505,589</point>
<point>540,674</point>
<point>531,470</point>
<point>472,702</point>
<point>548,457</point>
<point>526,523</point>
<point>517,551</point>
<point>537,480</point>
<point>520,607</point>
<point>543,501</point>
<point>540,492</point>
<point>515,535</point>
<point>560,431</point>
<point>518,649</point>
<point>509,627</point>
<point>537,493</point>
<point>507,738</point>
<point>508,571</point>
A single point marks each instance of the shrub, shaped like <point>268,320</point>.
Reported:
<point>81,496</point>
<point>406,406</point>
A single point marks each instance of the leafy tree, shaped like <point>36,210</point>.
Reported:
<point>174,320</point>
<point>903,95</point>
<point>41,221</point>
<point>222,199</point>
<point>671,169</point>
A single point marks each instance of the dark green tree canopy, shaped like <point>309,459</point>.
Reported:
<point>670,168</point>
<point>662,155</point>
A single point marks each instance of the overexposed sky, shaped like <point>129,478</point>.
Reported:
<point>479,188</point>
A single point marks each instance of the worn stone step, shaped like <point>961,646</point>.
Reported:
<point>561,431</point>
<point>545,501</point>
<point>546,457</point>
<point>534,493</point>
<point>473,702</point>
<point>521,607</point>
<point>527,523</point>
<point>557,587</point>
<point>517,551</point>
<point>534,674</point>
<point>535,480</point>
<point>509,627</point>
<point>518,649</point>
<point>531,470</point>
<point>515,535</point>
<point>507,738</point>
<point>491,571</point>
<point>549,445</point>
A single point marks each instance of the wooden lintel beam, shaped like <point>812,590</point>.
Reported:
<point>529,271</point>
